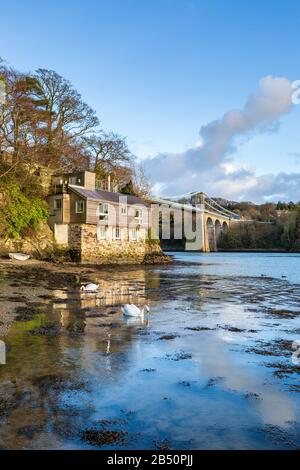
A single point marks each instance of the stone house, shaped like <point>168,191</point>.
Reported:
<point>99,226</point>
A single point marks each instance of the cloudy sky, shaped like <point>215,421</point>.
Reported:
<point>213,161</point>
<point>200,88</point>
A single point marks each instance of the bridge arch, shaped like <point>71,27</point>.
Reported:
<point>211,234</point>
<point>225,227</point>
<point>218,230</point>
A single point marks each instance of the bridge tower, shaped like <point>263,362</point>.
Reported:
<point>210,221</point>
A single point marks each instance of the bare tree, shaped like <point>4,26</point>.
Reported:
<point>43,120</point>
<point>110,155</point>
<point>142,186</point>
<point>68,118</point>
<point>19,114</point>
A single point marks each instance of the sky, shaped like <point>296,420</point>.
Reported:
<point>200,88</point>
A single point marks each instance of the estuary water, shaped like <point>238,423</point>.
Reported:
<point>215,364</point>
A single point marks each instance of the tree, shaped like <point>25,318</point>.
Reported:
<point>19,113</point>
<point>108,151</point>
<point>68,119</point>
<point>21,202</point>
<point>267,212</point>
<point>297,229</point>
<point>142,185</point>
<point>138,185</point>
<point>109,155</point>
<point>128,189</point>
<point>45,122</point>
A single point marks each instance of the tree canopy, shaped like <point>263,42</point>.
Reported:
<point>45,121</point>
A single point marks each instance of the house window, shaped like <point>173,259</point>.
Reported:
<point>103,211</point>
<point>133,234</point>
<point>72,180</point>
<point>58,188</point>
<point>123,210</point>
<point>117,233</point>
<point>101,233</point>
<point>79,207</point>
<point>57,204</point>
<point>139,215</point>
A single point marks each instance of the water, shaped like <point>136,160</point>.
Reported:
<point>277,265</point>
<point>212,367</point>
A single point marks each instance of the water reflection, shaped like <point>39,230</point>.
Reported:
<point>185,374</point>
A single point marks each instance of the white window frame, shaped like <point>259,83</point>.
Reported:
<point>103,211</point>
<point>56,199</point>
<point>131,236</point>
<point>77,207</point>
<point>101,236</point>
<point>123,210</point>
<point>115,233</point>
<point>140,216</point>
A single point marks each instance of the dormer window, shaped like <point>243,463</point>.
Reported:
<point>123,210</point>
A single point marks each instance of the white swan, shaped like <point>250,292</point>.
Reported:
<point>90,287</point>
<point>131,310</point>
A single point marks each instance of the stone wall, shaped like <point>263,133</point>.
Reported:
<point>83,238</point>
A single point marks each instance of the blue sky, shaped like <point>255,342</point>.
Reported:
<point>158,70</point>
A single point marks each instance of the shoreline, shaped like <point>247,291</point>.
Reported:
<point>245,250</point>
<point>46,276</point>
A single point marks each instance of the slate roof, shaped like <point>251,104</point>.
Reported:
<point>102,195</point>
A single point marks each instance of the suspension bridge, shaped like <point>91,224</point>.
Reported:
<point>209,219</point>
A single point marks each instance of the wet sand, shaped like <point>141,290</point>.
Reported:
<point>210,368</point>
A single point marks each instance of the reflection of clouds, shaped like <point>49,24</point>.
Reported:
<point>112,344</point>
<point>235,316</point>
<point>216,361</point>
<point>227,336</point>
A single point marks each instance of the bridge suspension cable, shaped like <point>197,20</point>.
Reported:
<point>210,203</point>
<point>216,206</point>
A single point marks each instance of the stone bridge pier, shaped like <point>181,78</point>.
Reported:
<point>209,229</point>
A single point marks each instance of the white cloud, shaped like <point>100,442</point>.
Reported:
<point>209,165</point>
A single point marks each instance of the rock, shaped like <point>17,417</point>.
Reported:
<point>157,258</point>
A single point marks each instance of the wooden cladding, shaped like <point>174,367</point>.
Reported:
<point>115,217</point>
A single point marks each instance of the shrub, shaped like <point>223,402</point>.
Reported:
<point>20,210</point>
